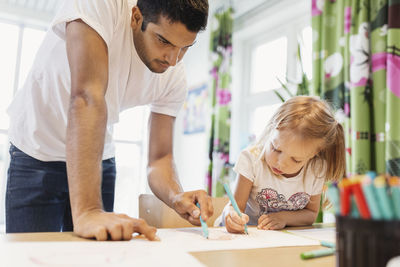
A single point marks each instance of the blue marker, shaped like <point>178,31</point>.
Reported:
<point>203,225</point>
<point>354,212</point>
<point>333,195</point>
<point>383,198</point>
<point>234,204</point>
<point>328,244</point>
<point>370,195</point>
<point>394,183</point>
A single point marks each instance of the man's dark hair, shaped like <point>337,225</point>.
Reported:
<point>192,13</point>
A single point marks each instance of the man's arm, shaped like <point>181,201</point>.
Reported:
<point>162,175</point>
<point>87,119</point>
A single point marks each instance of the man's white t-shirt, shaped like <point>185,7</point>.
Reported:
<point>272,193</point>
<point>38,113</point>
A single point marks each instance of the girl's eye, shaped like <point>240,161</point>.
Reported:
<point>296,161</point>
<point>274,149</point>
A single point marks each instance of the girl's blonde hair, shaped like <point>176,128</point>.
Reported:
<point>311,117</point>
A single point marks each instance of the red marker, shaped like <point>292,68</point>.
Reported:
<point>359,197</point>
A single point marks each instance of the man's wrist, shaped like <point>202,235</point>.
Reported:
<point>78,212</point>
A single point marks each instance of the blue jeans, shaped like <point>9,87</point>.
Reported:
<point>37,198</point>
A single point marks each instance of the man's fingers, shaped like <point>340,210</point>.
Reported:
<point>194,221</point>
<point>188,206</point>
<point>210,207</point>
<point>206,207</point>
<point>115,231</point>
<point>141,227</point>
<point>127,230</point>
<point>110,226</point>
<point>101,233</point>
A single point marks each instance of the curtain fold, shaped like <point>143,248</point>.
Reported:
<point>219,135</point>
<point>356,67</point>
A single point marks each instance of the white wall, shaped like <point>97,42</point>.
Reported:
<point>191,151</point>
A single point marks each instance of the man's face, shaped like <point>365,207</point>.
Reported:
<point>161,45</point>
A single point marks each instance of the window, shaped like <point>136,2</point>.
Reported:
<point>16,52</point>
<point>130,136</point>
<point>8,55</point>
<point>306,54</point>
<point>30,45</point>
<point>268,64</point>
<point>260,117</point>
<point>265,45</point>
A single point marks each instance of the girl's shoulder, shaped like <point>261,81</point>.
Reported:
<point>318,168</point>
<point>254,151</point>
<point>252,154</point>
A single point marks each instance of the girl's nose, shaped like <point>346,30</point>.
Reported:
<point>282,162</point>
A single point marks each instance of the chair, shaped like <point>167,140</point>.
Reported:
<point>156,213</point>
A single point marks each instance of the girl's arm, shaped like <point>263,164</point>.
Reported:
<point>278,220</point>
<point>242,192</point>
<point>234,223</point>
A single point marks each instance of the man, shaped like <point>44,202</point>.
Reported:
<point>99,58</point>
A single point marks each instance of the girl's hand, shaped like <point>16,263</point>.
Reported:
<point>234,223</point>
<point>271,221</point>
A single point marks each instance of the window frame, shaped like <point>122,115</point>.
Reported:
<point>262,24</point>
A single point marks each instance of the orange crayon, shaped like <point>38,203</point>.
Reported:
<point>345,191</point>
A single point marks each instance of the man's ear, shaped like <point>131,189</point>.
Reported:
<point>137,18</point>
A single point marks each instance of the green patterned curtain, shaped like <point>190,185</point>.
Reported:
<point>356,66</point>
<point>221,56</point>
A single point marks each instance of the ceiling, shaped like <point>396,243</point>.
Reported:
<point>44,10</point>
<point>243,6</point>
<point>37,5</point>
<point>29,11</point>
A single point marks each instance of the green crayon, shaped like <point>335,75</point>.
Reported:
<point>317,253</point>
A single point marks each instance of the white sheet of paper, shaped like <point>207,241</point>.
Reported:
<point>171,251</point>
<point>191,239</point>
<point>96,254</point>
<point>321,234</point>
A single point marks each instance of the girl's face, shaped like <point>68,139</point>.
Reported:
<point>286,153</point>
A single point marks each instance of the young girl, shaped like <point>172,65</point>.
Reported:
<point>280,178</point>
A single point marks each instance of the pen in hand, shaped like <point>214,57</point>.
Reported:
<point>234,204</point>
<point>203,224</point>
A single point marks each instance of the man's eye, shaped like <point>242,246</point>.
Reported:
<point>162,41</point>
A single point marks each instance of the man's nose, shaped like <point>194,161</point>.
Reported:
<point>172,56</point>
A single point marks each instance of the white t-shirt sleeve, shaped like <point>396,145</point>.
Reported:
<point>245,165</point>
<point>100,15</point>
<point>174,93</point>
